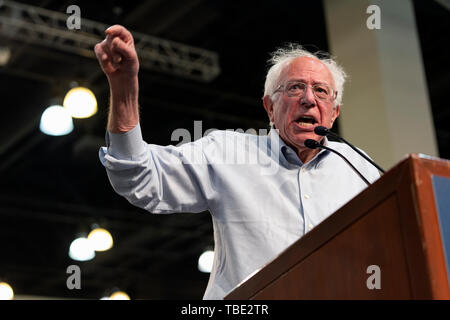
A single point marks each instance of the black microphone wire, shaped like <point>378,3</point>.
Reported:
<point>323,131</point>
<point>313,144</point>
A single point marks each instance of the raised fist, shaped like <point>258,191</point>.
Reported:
<point>117,55</point>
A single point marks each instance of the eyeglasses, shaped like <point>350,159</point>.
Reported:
<point>298,89</point>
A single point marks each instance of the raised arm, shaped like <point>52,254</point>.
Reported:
<point>119,61</point>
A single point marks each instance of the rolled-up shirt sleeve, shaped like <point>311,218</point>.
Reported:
<point>159,179</point>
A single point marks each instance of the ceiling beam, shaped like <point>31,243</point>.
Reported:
<point>46,27</point>
<point>444,3</point>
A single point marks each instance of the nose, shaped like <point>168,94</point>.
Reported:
<point>308,99</point>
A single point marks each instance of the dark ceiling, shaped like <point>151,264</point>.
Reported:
<point>53,188</point>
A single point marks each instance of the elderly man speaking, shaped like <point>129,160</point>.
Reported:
<point>256,212</point>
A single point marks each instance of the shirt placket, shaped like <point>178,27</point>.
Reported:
<point>306,197</point>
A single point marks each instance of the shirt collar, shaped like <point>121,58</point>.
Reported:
<point>286,155</point>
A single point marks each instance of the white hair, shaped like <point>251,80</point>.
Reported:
<point>283,56</point>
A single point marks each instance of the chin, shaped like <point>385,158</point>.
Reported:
<point>302,137</point>
<point>297,141</point>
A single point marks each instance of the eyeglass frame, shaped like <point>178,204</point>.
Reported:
<point>332,97</point>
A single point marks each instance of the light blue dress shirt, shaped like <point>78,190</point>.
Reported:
<point>262,198</point>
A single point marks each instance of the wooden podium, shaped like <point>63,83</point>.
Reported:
<point>400,224</point>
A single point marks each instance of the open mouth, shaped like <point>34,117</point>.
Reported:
<point>306,121</point>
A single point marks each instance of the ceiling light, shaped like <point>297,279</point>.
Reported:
<point>119,295</point>
<point>56,121</point>
<point>205,262</point>
<point>6,292</point>
<point>81,250</point>
<point>5,55</point>
<point>100,239</point>
<point>80,102</point>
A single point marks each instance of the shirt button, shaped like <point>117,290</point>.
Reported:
<point>310,226</point>
<point>306,196</point>
<point>303,169</point>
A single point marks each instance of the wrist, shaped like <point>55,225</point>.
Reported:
<point>124,113</point>
<point>124,89</point>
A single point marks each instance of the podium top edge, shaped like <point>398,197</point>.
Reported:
<point>422,156</point>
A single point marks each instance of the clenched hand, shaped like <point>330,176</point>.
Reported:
<point>117,55</point>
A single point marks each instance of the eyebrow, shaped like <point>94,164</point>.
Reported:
<point>302,80</point>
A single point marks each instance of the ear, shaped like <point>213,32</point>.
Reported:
<point>335,114</point>
<point>268,105</point>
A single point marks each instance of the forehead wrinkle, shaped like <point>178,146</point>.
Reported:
<point>313,67</point>
<point>305,81</point>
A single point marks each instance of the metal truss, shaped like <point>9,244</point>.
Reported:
<point>444,3</point>
<point>45,27</point>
